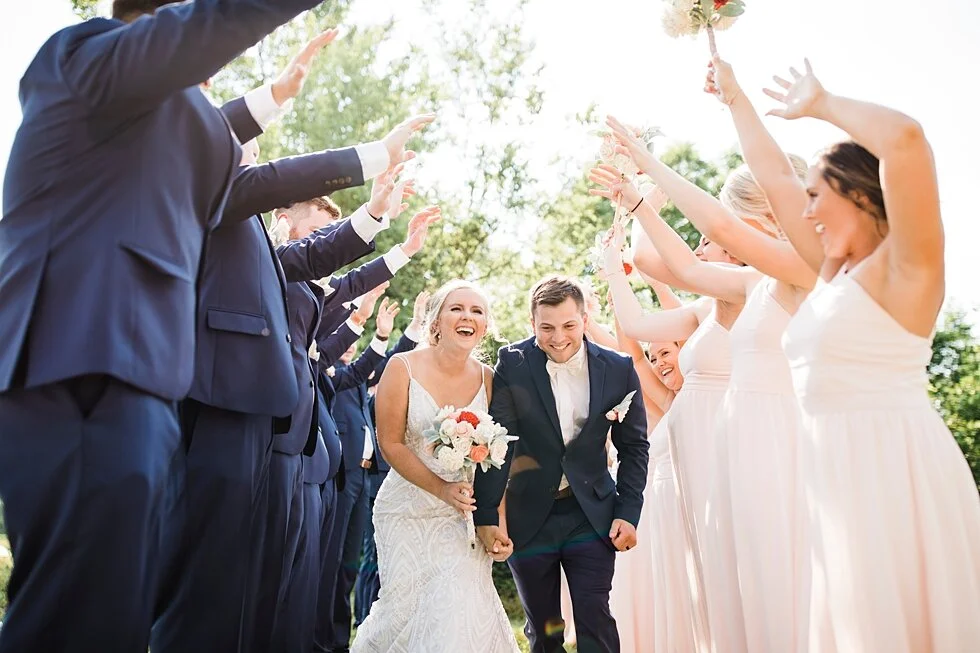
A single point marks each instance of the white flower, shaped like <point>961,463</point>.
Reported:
<point>484,433</point>
<point>677,20</point>
<point>498,450</point>
<point>447,428</point>
<point>452,458</point>
<point>445,413</point>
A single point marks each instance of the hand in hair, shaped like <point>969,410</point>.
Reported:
<point>803,95</point>
<point>291,79</point>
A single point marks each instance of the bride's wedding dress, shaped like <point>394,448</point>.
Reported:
<point>437,593</point>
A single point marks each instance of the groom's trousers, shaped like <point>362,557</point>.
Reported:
<point>567,541</point>
<point>90,480</point>
<point>228,457</point>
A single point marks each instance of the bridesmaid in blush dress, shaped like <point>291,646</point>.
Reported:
<point>895,515</point>
<point>753,504</point>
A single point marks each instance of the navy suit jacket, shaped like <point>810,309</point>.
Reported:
<point>118,169</point>
<point>351,407</point>
<point>243,360</point>
<point>524,404</point>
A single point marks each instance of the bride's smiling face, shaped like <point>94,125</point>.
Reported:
<point>462,321</point>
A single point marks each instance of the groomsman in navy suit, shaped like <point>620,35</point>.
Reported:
<point>367,585</point>
<point>294,627</point>
<point>305,302</point>
<point>119,168</point>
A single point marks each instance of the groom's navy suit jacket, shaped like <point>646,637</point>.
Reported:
<point>524,404</point>
<point>118,169</point>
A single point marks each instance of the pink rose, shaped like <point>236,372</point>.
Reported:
<point>462,428</point>
<point>479,453</point>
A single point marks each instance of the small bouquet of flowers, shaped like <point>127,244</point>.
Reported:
<point>596,254</point>
<point>465,440</point>
<point>689,17</point>
<point>608,154</point>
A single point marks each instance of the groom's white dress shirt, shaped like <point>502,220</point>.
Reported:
<point>570,385</point>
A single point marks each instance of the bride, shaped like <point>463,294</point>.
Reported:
<point>437,593</point>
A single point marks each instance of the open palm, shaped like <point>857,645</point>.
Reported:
<point>803,95</point>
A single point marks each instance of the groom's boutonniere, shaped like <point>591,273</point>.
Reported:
<point>618,412</point>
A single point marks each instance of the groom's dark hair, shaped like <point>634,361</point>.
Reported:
<point>554,290</point>
<point>132,9</point>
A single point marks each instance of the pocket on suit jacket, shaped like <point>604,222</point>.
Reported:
<point>158,262</point>
<point>247,323</point>
<point>604,486</point>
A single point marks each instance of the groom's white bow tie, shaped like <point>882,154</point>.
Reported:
<point>572,366</point>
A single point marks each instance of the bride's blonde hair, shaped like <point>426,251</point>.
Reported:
<point>438,300</point>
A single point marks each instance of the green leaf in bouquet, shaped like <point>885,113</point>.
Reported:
<point>732,9</point>
<point>707,9</point>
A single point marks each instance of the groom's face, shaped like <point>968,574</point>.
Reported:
<point>559,329</point>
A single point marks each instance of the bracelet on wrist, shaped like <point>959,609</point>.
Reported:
<point>633,210</point>
<point>381,338</point>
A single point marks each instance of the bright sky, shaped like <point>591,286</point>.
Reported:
<point>918,57</point>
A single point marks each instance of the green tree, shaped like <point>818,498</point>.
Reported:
<point>954,382</point>
<point>85,8</point>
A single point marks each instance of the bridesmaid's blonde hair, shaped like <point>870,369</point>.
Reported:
<point>742,196</point>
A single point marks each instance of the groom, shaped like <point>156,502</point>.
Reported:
<point>555,392</point>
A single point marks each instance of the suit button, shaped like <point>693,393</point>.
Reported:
<point>265,332</point>
<point>348,180</point>
<point>289,338</point>
<point>311,384</point>
<point>553,489</point>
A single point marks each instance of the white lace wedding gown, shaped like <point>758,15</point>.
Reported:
<point>437,594</point>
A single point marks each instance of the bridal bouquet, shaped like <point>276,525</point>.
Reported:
<point>465,440</point>
<point>689,17</point>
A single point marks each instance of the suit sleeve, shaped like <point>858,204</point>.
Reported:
<point>357,282</point>
<point>136,66</point>
<point>262,188</point>
<point>403,345</point>
<point>489,486</point>
<point>322,253</point>
<point>332,345</point>
<point>241,120</point>
<point>630,439</point>
<point>357,372</point>
<point>332,318</point>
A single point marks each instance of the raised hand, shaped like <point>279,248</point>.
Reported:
<point>291,79</point>
<point>397,138</point>
<point>459,496</point>
<point>613,185</point>
<point>612,248</point>
<point>803,97</point>
<point>369,300</point>
<point>418,311</point>
<point>721,81</point>
<point>623,535</point>
<point>402,190</point>
<point>630,144</point>
<point>418,229</point>
<point>386,317</point>
<point>382,191</point>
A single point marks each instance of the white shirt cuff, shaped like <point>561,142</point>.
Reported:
<point>368,451</point>
<point>365,226</point>
<point>395,259</point>
<point>353,326</point>
<point>263,106</point>
<point>374,158</point>
<point>380,346</point>
<point>413,334</point>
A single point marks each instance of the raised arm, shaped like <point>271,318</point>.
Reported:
<point>369,361</point>
<point>261,188</point>
<point>769,255</point>
<point>326,250</point>
<point>136,66</point>
<point>653,388</point>
<point>704,278</point>
<point>907,167</point>
<point>770,166</point>
<point>391,406</point>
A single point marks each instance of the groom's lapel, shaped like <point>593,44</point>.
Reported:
<point>597,380</point>
<point>539,374</point>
